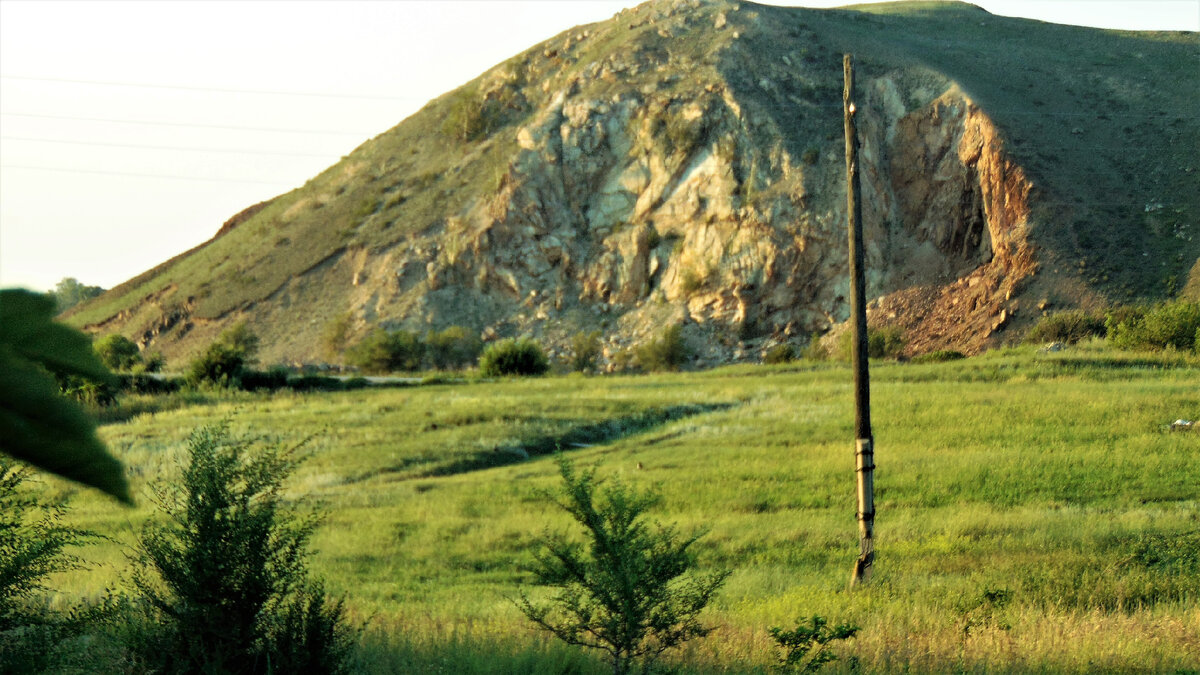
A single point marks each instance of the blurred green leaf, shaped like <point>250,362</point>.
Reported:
<point>37,424</point>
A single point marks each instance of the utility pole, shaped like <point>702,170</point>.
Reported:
<point>864,454</point>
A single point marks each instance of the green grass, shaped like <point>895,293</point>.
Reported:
<point>1048,475</point>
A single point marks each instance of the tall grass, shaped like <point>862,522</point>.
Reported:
<point>1049,476</point>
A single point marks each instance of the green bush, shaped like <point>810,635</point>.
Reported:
<point>804,649</point>
<point>630,590</point>
<point>333,335</point>
<point>239,338</point>
<point>666,352</point>
<point>939,356</point>
<point>219,365</point>
<point>226,359</point>
<point>1169,325</point>
<point>471,116</point>
<point>513,357</point>
<point>585,349</point>
<point>117,352</point>
<point>882,343</point>
<point>271,379</point>
<point>815,351</point>
<point>780,353</point>
<point>33,546</point>
<point>383,351</point>
<point>225,577</point>
<point>454,347</point>
<point>1069,327</point>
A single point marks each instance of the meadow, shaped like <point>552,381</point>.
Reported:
<point>1035,514</point>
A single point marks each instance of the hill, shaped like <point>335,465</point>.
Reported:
<point>682,163</point>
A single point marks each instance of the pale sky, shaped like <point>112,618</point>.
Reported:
<point>130,131</point>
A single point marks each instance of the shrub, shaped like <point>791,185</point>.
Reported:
<point>780,353</point>
<point>226,359</point>
<point>882,343</point>
<point>471,116</point>
<point>1173,324</point>
<point>666,352</point>
<point>117,352</point>
<point>239,338</point>
<point>939,356</point>
<point>513,357</point>
<point>271,379</point>
<point>815,351</point>
<point>805,647</point>
<point>691,281</point>
<point>152,362</point>
<point>219,365</point>
<point>225,575</point>
<point>383,351</point>
<point>333,336</point>
<point>1069,327</point>
<point>632,594</point>
<point>455,347</point>
<point>585,349</point>
<point>33,546</point>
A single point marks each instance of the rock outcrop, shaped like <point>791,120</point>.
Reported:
<point>680,163</point>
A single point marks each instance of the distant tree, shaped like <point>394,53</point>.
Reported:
<point>117,352</point>
<point>69,292</point>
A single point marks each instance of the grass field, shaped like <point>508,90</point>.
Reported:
<point>1049,476</point>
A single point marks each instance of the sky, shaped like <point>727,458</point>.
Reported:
<point>130,131</point>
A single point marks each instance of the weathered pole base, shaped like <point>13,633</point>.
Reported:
<point>862,569</point>
<point>864,459</point>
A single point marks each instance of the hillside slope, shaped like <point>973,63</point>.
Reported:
<point>682,163</point>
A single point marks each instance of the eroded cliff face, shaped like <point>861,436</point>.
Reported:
<point>638,210</point>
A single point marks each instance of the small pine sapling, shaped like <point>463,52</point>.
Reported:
<point>805,647</point>
<point>630,590</point>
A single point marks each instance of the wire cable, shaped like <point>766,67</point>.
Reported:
<point>166,147</point>
<point>191,125</point>
<point>143,175</point>
<point>220,90</point>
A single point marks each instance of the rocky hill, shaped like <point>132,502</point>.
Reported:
<point>682,163</point>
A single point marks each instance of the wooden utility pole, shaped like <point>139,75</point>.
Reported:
<point>864,454</point>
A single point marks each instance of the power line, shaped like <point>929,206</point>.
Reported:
<point>220,90</point>
<point>165,147</point>
<point>190,125</point>
<point>141,175</point>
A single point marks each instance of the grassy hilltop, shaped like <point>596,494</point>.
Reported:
<point>1034,513</point>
